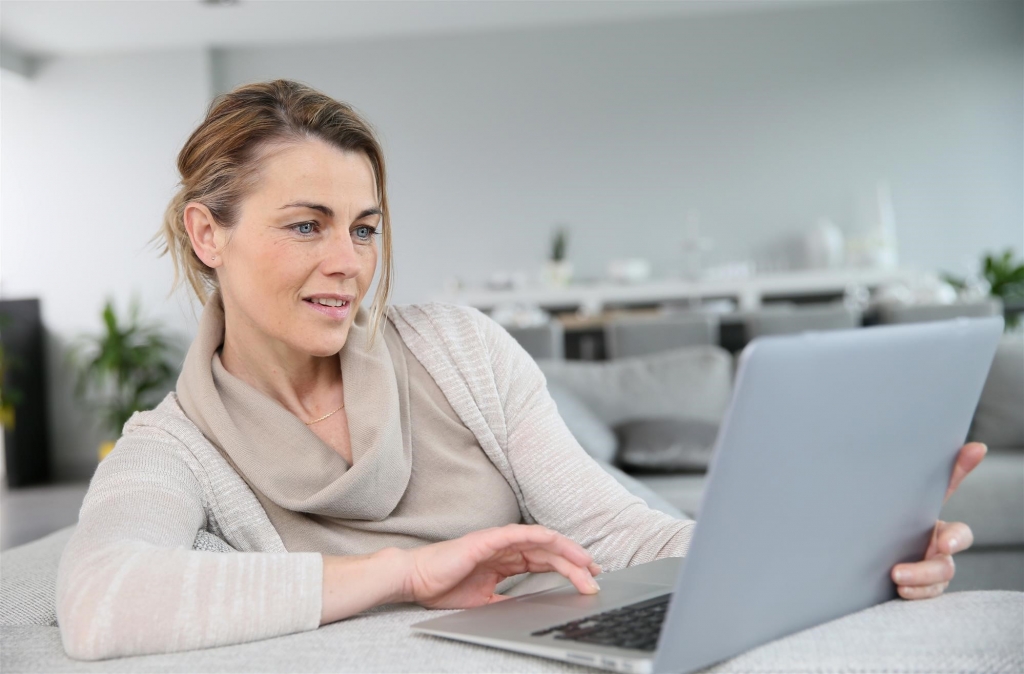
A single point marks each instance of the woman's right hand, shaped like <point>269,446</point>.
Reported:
<point>463,573</point>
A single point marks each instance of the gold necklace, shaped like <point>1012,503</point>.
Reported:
<point>310,423</point>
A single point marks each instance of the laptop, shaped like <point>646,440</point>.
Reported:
<point>830,467</point>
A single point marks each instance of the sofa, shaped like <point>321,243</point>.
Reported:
<point>957,632</point>
<point>651,416</point>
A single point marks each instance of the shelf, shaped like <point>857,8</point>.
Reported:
<point>749,293</point>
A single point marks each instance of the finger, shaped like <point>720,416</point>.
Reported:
<point>526,536</point>
<point>967,460</point>
<point>938,569</point>
<point>922,592</point>
<point>511,537</point>
<point>933,542</point>
<point>595,569</point>
<point>952,537</point>
<point>571,550</point>
<point>543,560</point>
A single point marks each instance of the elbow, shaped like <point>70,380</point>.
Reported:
<point>76,646</point>
<point>90,594</point>
<point>79,624</point>
<point>76,619</point>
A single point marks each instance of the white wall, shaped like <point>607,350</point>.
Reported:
<point>762,122</point>
<point>87,167</point>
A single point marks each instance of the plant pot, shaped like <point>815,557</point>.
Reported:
<point>105,448</point>
<point>558,273</point>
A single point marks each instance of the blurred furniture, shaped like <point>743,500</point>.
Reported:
<point>541,341</point>
<point>748,293</point>
<point>28,513</point>
<point>694,384</point>
<point>918,313</point>
<point>625,337</point>
<point>800,318</point>
<point>26,444</point>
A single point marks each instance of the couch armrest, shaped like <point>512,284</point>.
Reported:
<point>28,579</point>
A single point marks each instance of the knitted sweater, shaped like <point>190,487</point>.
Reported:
<point>144,571</point>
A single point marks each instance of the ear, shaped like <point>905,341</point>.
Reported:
<point>204,232</point>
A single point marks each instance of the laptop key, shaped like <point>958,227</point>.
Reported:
<point>636,626</point>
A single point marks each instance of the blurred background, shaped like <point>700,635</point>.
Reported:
<point>566,166</point>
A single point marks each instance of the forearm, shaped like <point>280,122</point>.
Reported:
<point>132,598</point>
<point>355,583</point>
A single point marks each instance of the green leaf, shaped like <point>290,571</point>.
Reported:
<point>120,369</point>
<point>957,282</point>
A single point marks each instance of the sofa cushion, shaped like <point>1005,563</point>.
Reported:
<point>593,434</point>
<point>682,490</point>
<point>999,419</point>
<point>666,444</point>
<point>692,382</point>
<point>28,580</point>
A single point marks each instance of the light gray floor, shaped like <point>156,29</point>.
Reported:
<point>32,512</point>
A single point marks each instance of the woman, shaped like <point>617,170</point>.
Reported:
<point>409,454</point>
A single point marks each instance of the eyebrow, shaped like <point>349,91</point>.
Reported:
<point>326,210</point>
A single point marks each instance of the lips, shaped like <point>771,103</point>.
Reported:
<point>337,313</point>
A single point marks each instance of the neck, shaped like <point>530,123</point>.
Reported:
<point>304,384</point>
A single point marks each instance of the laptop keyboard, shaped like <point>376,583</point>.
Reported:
<point>636,626</point>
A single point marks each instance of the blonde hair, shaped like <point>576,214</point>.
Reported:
<point>220,160</point>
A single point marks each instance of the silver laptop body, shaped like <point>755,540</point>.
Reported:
<point>830,467</point>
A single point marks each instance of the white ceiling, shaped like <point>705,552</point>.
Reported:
<point>64,27</point>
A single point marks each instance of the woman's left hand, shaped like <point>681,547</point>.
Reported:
<point>931,576</point>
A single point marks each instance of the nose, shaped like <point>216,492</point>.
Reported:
<point>341,257</point>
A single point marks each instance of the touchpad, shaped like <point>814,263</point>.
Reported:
<point>612,592</point>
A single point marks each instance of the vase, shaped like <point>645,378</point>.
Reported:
<point>105,448</point>
<point>558,273</point>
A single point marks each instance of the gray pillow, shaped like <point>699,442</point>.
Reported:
<point>692,382</point>
<point>666,444</point>
<point>999,419</point>
<point>593,434</point>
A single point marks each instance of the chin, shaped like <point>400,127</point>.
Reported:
<point>328,343</point>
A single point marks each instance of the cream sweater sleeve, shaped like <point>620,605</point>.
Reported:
<point>129,582</point>
<point>563,487</point>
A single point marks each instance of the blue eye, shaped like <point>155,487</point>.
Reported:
<point>300,228</point>
<point>365,232</point>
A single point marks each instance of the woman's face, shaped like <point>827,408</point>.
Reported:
<point>305,236</point>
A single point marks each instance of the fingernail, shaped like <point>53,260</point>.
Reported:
<point>952,544</point>
<point>594,586</point>
<point>900,576</point>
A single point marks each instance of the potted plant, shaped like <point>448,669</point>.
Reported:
<point>8,397</point>
<point>559,269</point>
<point>1004,276</point>
<point>122,370</point>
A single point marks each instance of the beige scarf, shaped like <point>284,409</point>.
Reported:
<point>315,500</point>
